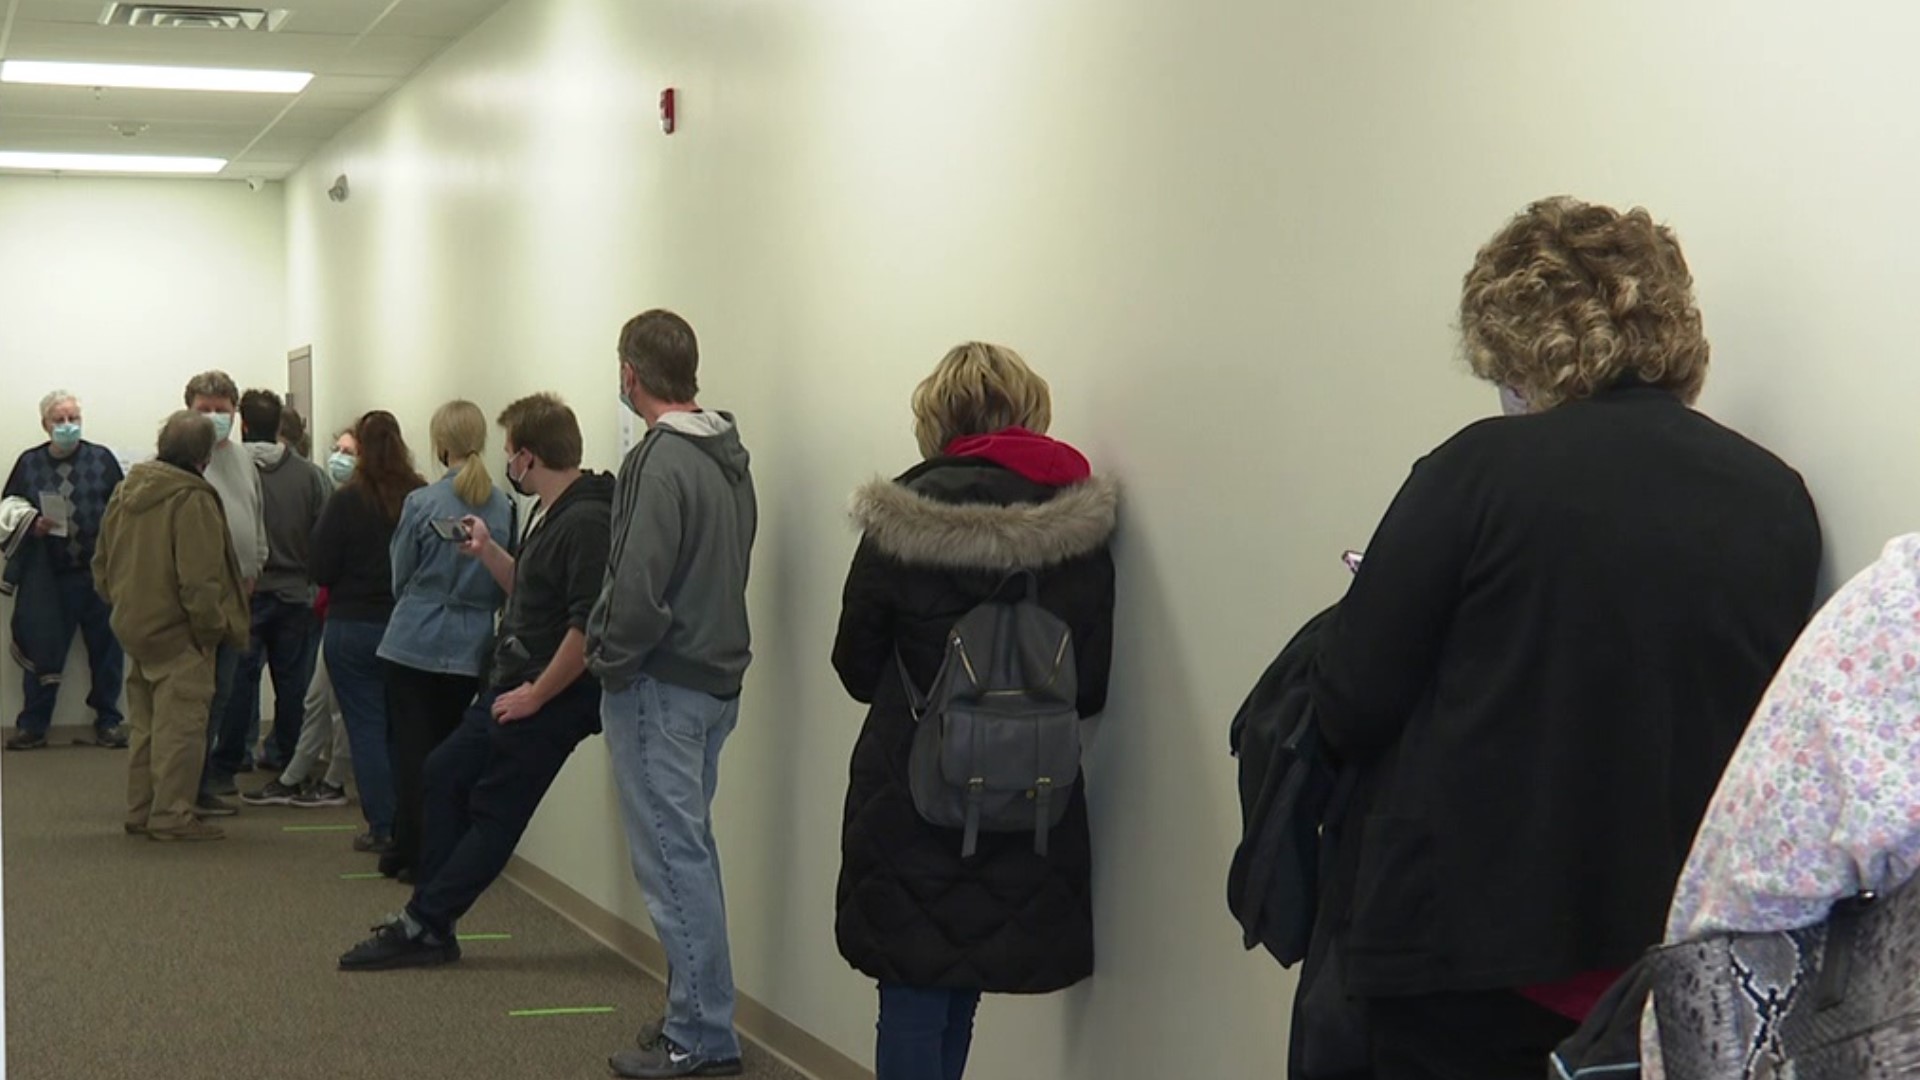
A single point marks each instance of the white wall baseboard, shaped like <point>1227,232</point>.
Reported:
<point>774,1033</point>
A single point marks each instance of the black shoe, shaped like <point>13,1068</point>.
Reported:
<point>213,806</point>
<point>26,740</point>
<point>113,738</point>
<point>391,946</point>
<point>221,784</point>
<point>320,794</point>
<point>664,1058</point>
<point>405,876</point>
<point>373,843</point>
<point>274,793</point>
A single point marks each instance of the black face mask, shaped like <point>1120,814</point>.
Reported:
<point>518,483</point>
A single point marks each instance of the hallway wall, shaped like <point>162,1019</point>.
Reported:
<point>1230,233</point>
<point>120,290</point>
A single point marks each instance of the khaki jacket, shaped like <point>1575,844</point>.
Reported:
<point>166,565</point>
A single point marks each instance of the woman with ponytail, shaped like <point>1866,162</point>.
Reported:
<point>443,614</point>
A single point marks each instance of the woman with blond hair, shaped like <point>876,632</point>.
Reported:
<point>1561,627</point>
<point>444,607</point>
<point>993,497</point>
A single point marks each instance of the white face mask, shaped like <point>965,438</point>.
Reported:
<point>1511,403</point>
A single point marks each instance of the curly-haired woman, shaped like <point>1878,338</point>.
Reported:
<point>1561,627</point>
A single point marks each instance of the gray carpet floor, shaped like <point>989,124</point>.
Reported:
<point>132,959</point>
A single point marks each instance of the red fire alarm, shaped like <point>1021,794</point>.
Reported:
<point>667,110</point>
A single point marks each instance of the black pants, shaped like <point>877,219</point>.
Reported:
<point>1490,1035</point>
<point>482,786</point>
<point>423,708</point>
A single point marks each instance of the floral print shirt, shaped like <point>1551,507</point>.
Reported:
<point>1821,800</point>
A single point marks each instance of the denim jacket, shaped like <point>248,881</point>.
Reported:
<point>444,602</point>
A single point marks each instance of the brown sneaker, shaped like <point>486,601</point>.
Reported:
<point>192,830</point>
<point>135,828</point>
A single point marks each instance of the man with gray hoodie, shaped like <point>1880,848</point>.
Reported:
<point>293,491</point>
<point>669,642</point>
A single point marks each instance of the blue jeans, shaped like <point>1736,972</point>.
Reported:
<point>665,743</point>
<point>226,671</point>
<point>924,1034</point>
<point>284,644</point>
<point>82,609</point>
<point>360,683</point>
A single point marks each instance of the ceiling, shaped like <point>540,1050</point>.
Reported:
<point>359,51</point>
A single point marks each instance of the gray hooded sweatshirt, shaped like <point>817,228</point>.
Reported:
<point>674,606</point>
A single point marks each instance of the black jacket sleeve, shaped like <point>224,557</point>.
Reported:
<point>863,648</point>
<point>1383,646</point>
<point>327,554</point>
<point>1092,624</point>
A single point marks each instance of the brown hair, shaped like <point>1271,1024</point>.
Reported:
<point>186,440</point>
<point>1570,298</point>
<point>978,389</point>
<point>544,426</point>
<point>212,384</point>
<point>385,470</point>
<point>661,349</point>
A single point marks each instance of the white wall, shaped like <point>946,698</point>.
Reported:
<point>120,291</point>
<point>1231,234</point>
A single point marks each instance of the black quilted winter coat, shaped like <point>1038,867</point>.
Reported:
<point>936,542</point>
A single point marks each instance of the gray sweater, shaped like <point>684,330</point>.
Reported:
<point>238,483</point>
<point>294,491</point>
<point>674,606</point>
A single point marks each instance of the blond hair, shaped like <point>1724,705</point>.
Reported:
<point>977,389</point>
<point>459,430</point>
<point>1570,298</point>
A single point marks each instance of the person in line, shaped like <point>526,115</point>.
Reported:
<point>69,481</point>
<point>323,741</point>
<point>344,457</point>
<point>293,492</point>
<point>670,644</point>
<point>443,615</point>
<point>232,474</point>
<point>350,556</point>
<point>294,434</point>
<point>165,564</point>
<point>485,781</point>
<point>1560,630</point>
<point>993,495</point>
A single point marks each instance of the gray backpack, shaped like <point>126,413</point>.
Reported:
<point>996,744</point>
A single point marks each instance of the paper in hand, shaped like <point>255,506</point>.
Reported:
<point>57,510</point>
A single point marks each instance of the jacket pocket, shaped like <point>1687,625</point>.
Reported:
<point>1394,898</point>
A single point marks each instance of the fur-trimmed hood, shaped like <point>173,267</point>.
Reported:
<point>918,529</point>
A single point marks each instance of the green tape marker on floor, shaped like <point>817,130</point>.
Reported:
<point>576,1011</point>
<point>318,828</point>
<point>484,937</point>
<point>362,877</point>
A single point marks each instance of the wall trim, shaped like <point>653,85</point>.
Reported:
<point>778,1036</point>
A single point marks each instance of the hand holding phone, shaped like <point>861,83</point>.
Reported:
<point>476,536</point>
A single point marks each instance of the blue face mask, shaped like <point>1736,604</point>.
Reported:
<point>222,425</point>
<point>1511,403</point>
<point>340,467</point>
<point>66,436</point>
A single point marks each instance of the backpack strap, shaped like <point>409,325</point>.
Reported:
<point>916,700</point>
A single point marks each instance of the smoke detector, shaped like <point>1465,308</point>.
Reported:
<point>192,17</point>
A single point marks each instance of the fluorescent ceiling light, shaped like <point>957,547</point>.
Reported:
<point>131,163</point>
<point>144,77</point>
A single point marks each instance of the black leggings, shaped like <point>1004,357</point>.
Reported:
<point>423,708</point>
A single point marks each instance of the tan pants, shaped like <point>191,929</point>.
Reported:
<point>167,705</point>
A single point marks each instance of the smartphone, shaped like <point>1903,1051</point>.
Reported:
<point>452,529</point>
<point>1352,559</point>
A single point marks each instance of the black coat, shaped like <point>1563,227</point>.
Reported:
<point>910,910</point>
<point>1560,631</point>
